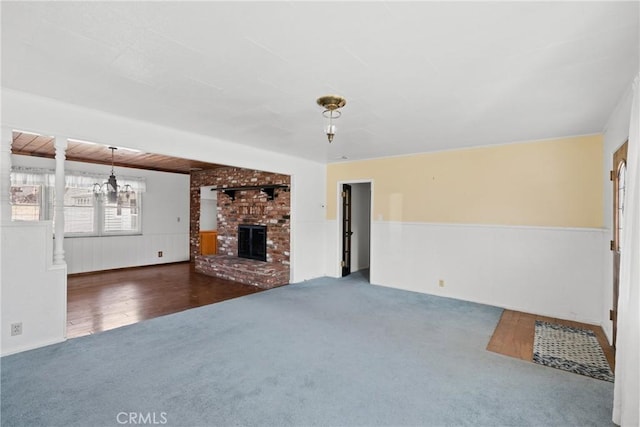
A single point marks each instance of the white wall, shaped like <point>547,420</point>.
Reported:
<point>208,208</point>
<point>33,113</point>
<point>544,270</point>
<point>616,133</point>
<point>361,216</point>
<point>33,291</point>
<point>549,271</point>
<point>165,222</point>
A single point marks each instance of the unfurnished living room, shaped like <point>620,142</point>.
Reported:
<point>297,213</point>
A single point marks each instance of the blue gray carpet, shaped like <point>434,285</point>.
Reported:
<point>331,352</point>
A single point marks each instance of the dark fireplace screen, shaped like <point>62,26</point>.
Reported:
<point>252,242</point>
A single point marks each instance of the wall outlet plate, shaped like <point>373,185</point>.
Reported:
<point>16,329</point>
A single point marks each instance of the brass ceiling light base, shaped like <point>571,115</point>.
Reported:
<point>331,103</point>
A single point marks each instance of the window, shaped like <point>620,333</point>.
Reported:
<point>123,215</point>
<point>26,202</point>
<point>85,213</point>
<point>79,211</point>
<point>30,193</point>
<point>622,175</point>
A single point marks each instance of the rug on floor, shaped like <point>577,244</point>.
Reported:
<point>570,349</point>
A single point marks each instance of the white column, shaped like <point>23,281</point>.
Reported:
<point>5,174</point>
<point>58,249</point>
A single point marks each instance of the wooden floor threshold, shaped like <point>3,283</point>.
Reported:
<point>515,331</point>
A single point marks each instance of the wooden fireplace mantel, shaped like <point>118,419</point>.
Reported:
<point>268,189</point>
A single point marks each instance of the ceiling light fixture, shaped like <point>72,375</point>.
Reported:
<point>110,187</point>
<point>331,105</point>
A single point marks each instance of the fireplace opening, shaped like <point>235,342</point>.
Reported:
<point>252,242</point>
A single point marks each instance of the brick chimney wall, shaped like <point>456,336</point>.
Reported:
<point>249,207</point>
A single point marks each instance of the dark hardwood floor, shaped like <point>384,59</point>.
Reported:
<point>106,300</point>
<point>515,332</point>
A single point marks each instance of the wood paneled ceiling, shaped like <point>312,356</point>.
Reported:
<point>28,144</point>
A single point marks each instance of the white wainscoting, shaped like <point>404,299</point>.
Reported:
<point>557,272</point>
<point>308,242</point>
<point>34,291</point>
<point>84,254</point>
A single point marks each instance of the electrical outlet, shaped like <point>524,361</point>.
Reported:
<point>16,329</point>
<point>159,254</point>
<point>441,283</point>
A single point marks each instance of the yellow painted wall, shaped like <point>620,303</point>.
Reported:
<point>545,183</point>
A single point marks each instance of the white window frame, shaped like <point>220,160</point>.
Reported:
<point>102,221</point>
<point>46,180</point>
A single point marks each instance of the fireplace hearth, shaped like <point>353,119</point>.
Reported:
<point>252,242</point>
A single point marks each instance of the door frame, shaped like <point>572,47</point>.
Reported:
<point>619,157</point>
<point>339,231</point>
<point>347,206</point>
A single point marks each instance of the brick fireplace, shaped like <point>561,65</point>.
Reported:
<point>251,205</point>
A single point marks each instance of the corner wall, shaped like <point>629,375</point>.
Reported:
<point>616,132</point>
<point>34,291</point>
<point>517,226</point>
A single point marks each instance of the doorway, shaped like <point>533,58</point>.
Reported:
<point>355,227</point>
<point>618,177</point>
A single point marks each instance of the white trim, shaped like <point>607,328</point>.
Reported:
<point>470,147</point>
<point>525,227</point>
<point>33,346</point>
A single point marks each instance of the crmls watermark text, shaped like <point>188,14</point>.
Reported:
<point>142,418</point>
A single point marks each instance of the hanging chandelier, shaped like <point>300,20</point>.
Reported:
<point>109,188</point>
<point>331,105</point>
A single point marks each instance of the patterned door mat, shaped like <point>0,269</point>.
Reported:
<point>570,349</point>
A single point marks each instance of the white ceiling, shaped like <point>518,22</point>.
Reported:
<point>417,76</point>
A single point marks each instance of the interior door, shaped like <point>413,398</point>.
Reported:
<point>346,229</point>
<point>618,176</point>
